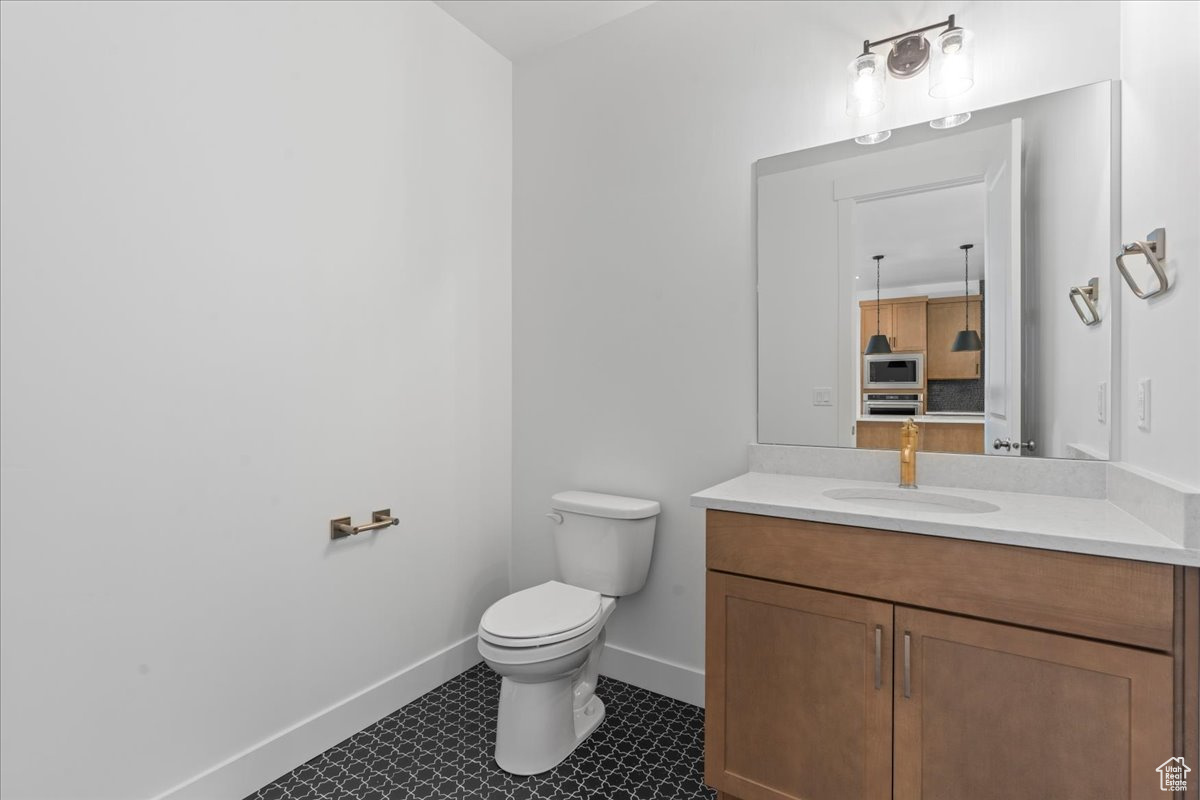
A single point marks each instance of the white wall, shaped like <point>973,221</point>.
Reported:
<point>1160,176</point>
<point>256,275</point>
<point>1068,223</point>
<point>633,267</point>
<point>798,353</point>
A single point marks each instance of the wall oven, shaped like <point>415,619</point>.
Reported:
<point>893,405</point>
<point>894,371</point>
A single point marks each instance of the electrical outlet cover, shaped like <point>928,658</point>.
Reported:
<point>1143,404</point>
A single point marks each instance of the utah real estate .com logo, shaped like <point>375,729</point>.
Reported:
<point>1172,775</point>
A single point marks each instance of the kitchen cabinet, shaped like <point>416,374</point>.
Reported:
<point>902,320</point>
<point>934,437</point>
<point>868,322</point>
<point>908,326</point>
<point>944,321</point>
<point>939,668</point>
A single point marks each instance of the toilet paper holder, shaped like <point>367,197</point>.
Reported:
<point>341,527</point>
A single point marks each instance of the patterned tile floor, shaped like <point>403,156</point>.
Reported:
<point>440,746</point>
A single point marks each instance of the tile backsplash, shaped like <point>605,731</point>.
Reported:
<point>954,396</point>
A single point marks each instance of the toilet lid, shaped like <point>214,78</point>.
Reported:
<point>539,611</point>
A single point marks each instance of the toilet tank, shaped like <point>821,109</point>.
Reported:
<point>604,541</point>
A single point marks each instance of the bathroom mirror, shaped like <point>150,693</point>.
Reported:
<point>982,345</point>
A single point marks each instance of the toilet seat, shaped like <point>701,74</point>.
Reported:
<point>546,614</point>
<point>513,652</point>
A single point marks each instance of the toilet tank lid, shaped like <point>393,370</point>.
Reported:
<point>605,505</point>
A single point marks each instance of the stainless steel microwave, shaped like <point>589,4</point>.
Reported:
<point>894,371</point>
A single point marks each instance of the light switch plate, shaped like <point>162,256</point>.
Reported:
<point>1143,404</point>
<point>822,395</point>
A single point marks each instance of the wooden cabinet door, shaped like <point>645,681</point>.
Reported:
<point>908,327</point>
<point>945,320</point>
<point>994,712</point>
<point>868,322</point>
<point>798,692</point>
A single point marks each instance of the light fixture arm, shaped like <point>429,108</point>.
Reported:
<point>966,248</point>
<point>877,260</point>
<point>868,44</point>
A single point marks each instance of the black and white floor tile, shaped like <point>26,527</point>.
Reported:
<point>440,746</point>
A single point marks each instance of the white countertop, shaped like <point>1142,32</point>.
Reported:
<point>961,418</point>
<point>1048,522</point>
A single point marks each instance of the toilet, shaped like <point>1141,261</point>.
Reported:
<point>546,641</point>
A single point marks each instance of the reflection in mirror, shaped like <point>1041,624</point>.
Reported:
<point>930,296</point>
<point>983,231</point>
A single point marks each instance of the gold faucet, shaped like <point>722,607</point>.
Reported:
<point>908,454</point>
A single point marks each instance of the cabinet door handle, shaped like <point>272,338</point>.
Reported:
<point>907,665</point>
<point>878,656</point>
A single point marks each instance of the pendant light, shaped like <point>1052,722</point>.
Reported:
<point>967,339</point>
<point>878,343</point>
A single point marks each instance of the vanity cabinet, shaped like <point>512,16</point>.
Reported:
<point>846,662</point>
<point>902,320</point>
<point>995,712</point>
<point>945,320</point>
<point>800,703</point>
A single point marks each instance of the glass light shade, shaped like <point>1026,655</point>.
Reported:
<point>952,63</point>
<point>952,121</point>
<point>864,85</point>
<point>874,138</point>
<point>966,340</point>
<point>877,344</point>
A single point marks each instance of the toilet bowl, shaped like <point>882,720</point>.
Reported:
<point>545,641</point>
<point>548,703</point>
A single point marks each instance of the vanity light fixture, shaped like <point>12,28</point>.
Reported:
<point>878,343</point>
<point>952,73</point>
<point>967,339</point>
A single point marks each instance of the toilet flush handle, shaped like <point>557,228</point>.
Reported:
<point>557,517</point>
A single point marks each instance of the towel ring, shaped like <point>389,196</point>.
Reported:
<point>1084,299</point>
<point>1154,250</point>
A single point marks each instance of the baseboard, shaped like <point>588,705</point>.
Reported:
<point>654,674</point>
<point>262,763</point>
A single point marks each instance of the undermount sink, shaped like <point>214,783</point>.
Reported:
<point>911,500</point>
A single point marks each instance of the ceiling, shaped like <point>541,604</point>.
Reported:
<point>919,235</point>
<point>519,28</point>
